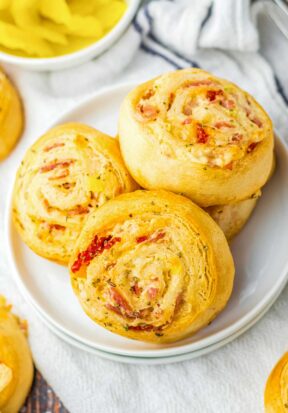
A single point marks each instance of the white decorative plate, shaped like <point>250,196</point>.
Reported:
<point>153,360</point>
<point>260,253</point>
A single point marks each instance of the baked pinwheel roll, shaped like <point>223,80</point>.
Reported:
<point>11,116</point>
<point>276,392</point>
<point>16,366</point>
<point>232,217</point>
<point>193,133</point>
<point>67,173</point>
<point>152,266</point>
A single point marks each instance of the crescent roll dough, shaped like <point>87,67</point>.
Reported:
<point>68,172</point>
<point>276,392</point>
<point>152,266</point>
<point>11,116</point>
<point>192,133</point>
<point>232,217</point>
<point>16,366</point>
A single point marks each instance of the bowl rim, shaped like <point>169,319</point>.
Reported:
<point>101,44</point>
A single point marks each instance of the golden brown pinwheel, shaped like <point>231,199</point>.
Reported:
<point>193,133</point>
<point>67,173</point>
<point>152,266</point>
<point>276,392</point>
<point>16,366</point>
<point>11,116</point>
<point>232,217</point>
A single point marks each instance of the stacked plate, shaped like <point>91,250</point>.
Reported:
<point>260,253</point>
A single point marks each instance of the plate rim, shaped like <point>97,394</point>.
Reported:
<point>161,352</point>
<point>156,360</point>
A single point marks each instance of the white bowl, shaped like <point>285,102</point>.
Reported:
<point>81,56</point>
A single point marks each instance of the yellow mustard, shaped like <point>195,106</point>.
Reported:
<point>49,28</point>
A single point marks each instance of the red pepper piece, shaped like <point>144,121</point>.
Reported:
<point>97,246</point>
<point>202,135</point>
<point>212,94</point>
<point>143,238</point>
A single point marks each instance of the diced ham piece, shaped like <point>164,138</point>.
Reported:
<point>146,112</point>
<point>148,94</point>
<point>64,174</point>
<point>152,292</point>
<point>229,166</point>
<point>120,300</point>
<point>223,124</point>
<point>188,107</point>
<point>257,121</point>
<point>203,82</point>
<point>55,145</point>
<point>237,137</point>
<point>50,167</point>
<point>171,99</point>
<point>113,308</point>
<point>228,103</point>
<point>136,289</point>
<point>157,237</point>
<point>252,146</point>
<point>178,303</point>
<point>153,238</point>
<point>79,210</point>
<point>56,226</point>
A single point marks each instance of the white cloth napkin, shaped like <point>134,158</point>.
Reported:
<point>220,36</point>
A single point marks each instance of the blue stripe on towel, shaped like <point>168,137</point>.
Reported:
<point>151,50</point>
<point>208,15</point>
<point>280,89</point>
<point>154,53</point>
<point>191,63</point>
<point>137,26</point>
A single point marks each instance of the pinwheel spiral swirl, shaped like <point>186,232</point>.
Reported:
<point>192,133</point>
<point>67,173</point>
<point>152,266</point>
